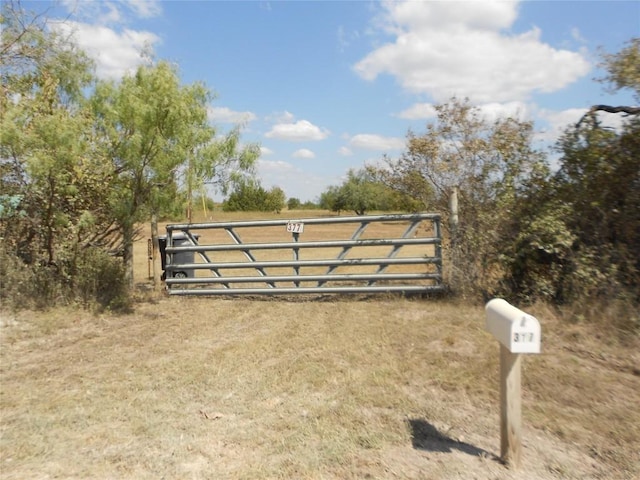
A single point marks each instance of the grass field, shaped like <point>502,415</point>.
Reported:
<point>321,388</point>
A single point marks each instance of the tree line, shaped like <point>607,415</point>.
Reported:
<point>83,161</point>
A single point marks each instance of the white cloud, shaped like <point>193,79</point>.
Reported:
<point>493,111</point>
<point>271,166</point>
<point>281,117</point>
<point>303,153</point>
<point>145,8</point>
<point>376,142</point>
<point>299,131</point>
<point>115,53</point>
<point>111,12</point>
<point>265,151</point>
<point>226,115</point>
<point>558,121</point>
<point>294,181</point>
<point>576,35</point>
<point>418,111</point>
<point>117,50</point>
<point>345,151</point>
<point>489,111</point>
<point>612,120</point>
<point>463,49</point>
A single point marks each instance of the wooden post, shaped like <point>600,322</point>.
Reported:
<point>453,210</point>
<point>510,408</point>
<point>157,282</point>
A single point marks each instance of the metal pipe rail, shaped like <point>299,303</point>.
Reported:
<point>306,278</point>
<point>307,221</point>
<point>309,263</point>
<point>309,290</point>
<point>414,255</point>
<point>291,245</point>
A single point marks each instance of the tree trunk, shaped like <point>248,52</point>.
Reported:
<point>127,253</point>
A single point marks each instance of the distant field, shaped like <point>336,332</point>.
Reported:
<point>309,388</point>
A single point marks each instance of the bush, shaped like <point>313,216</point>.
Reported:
<point>101,281</point>
<point>96,280</point>
<point>542,257</point>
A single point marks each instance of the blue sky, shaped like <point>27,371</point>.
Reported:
<point>325,86</point>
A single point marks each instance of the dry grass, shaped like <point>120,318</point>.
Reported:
<point>385,388</point>
<point>329,388</point>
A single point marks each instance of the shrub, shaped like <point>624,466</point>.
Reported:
<point>101,282</point>
<point>95,279</point>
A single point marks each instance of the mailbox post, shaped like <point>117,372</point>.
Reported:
<point>517,333</point>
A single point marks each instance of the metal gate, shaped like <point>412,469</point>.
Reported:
<point>358,254</point>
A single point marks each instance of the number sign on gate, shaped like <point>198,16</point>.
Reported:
<point>295,227</point>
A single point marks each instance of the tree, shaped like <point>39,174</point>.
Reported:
<point>220,164</point>
<point>579,234</point>
<point>48,162</point>
<point>46,153</point>
<point>623,71</point>
<point>150,126</point>
<point>275,200</point>
<point>361,192</point>
<point>414,191</point>
<point>599,178</point>
<point>293,203</point>
<point>490,166</point>
<point>250,196</point>
<point>331,200</point>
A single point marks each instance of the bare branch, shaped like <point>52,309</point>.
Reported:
<point>609,109</point>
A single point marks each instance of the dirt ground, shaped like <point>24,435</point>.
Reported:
<point>324,388</point>
<point>380,387</point>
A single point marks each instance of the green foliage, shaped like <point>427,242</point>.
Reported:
<point>89,160</point>
<point>204,202</point>
<point>623,69</point>
<point>330,200</point>
<point>101,283</point>
<point>414,191</point>
<point>579,234</point>
<point>150,126</point>
<point>275,201</point>
<point>492,166</point>
<point>44,132</point>
<point>250,196</point>
<point>92,277</point>
<point>293,203</point>
<point>362,192</point>
<point>599,179</point>
<point>542,253</point>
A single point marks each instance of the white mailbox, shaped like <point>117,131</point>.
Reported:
<point>515,329</point>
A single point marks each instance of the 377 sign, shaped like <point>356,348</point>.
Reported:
<point>295,227</point>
